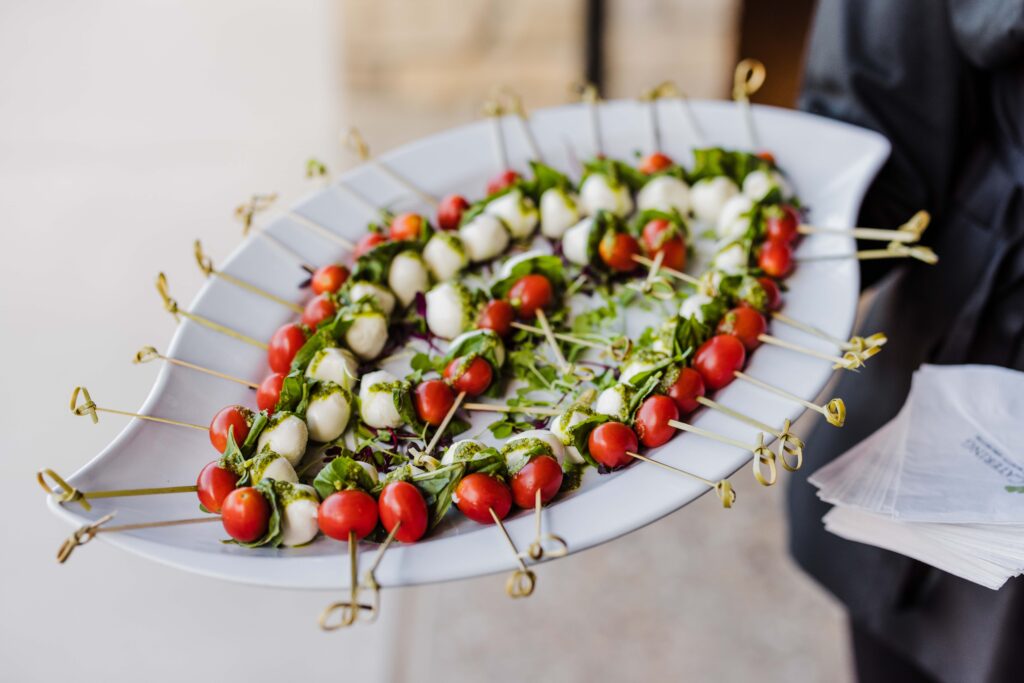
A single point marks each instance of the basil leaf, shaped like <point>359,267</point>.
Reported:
<point>715,161</point>
<point>484,343</point>
<point>294,396</point>
<point>233,460</point>
<point>579,434</point>
<point>342,474</point>
<point>258,423</point>
<point>544,179</point>
<point>437,488</point>
<point>543,264</point>
<point>616,171</point>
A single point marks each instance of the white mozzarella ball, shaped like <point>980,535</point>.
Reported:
<point>447,310</point>
<point>758,184</point>
<point>496,344</point>
<point>299,518</point>
<point>367,335</point>
<point>693,306</point>
<point>462,450</point>
<point>407,276</point>
<point>576,240</point>
<point>558,212</point>
<point>270,465</point>
<point>613,402</point>
<point>517,211</point>
<point>598,192</point>
<point>445,256</point>
<point>484,237</point>
<point>732,259</point>
<point>332,364</point>
<point>286,435</point>
<point>518,447</point>
<point>639,363</point>
<point>708,196</point>
<point>561,425</point>
<point>377,400</point>
<point>382,295</point>
<point>731,221</point>
<point>328,413</point>
<point>664,193</point>
<point>370,470</point>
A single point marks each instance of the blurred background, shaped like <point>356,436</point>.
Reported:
<point>130,127</point>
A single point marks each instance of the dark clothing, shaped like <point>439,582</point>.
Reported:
<point>944,81</point>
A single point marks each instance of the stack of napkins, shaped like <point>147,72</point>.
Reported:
<point>943,482</point>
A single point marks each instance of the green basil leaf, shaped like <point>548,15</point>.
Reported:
<point>548,265</point>
<point>341,474</point>
<point>437,488</point>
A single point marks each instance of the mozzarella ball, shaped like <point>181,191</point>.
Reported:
<point>299,518</point>
<point>328,413</point>
<point>382,295</point>
<point>377,400</point>
<point>367,334</point>
<point>270,465</point>
<point>561,425</point>
<point>517,211</point>
<point>665,193</point>
<point>758,184</point>
<point>732,259</point>
<point>332,364</point>
<point>495,343</point>
<point>370,470</point>
<point>407,275</point>
<point>517,449</point>
<point>614,402</point>
<point>598,192</point>
<point>708,197</point>
<point>558,212</point>
<point>466,449</point>
<point>448,310</point>
<point>639,363</point>
<point>693,306</point>
<point>286,435</point>
<point>484,237</point>
<point>445,256</point>
<point>576,240</point>
<point>731,221</point>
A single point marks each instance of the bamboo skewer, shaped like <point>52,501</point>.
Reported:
<point>495,113</point>
<point>66,493</point>
<point>590,97</point>
<point>723,489</point>
<point>172,307</point>
<point>441,427</point>
<point>909,232</point>
<point>583,374</point>
<point>89,531</point>
<point>205,264</point>
<point>516,107</point>
<point>893,250</point>
<point>762,457</point>
<point>618,348</point>
<point>521,582</point>
<point>89,408</point>
<point>789,443</point>
<point>536,550</point>
<point>834,411</point>
<point>498,408</point>
<point>348,610</point>
<point>848,361</point>
<point>747,80</point>
<point>148,353</point>
<point>855,344</point>
<point>355,141</point>
<point>677,274</point>
<point>246,214</point>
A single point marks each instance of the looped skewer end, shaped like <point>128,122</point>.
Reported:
<point>355,141</point>
<point>81,536</point>
<point>67,492</point>
<point>764,458</point>
<point>859,344</point>
<point>748,78</point>
<point>493,108</point>
<point>316,169</point>
<point>586,91</point>
<point>537,551</point>
<point>620,347</point>
<point>835,412</point>
<point>162,287</point>
<point>87,407</point>
<point>520,583</point>
<point>246,213</point>
<point>790,445</point>
<point>725,493</point>
<point>145,355</point>
<point>917,224</point>
<point>348,613</point>
<point>204,262</point>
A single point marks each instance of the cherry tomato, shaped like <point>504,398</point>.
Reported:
<point>406,226</point>
<point>214,484</point>
<point>237,419</point>
<point>661,236</point>
<point>497,315</point>
<point>479,493</point>
<point>654,162</point>
<point>319,309</point>
<point>401,502</point>
<point>781,224</point>
<point>685,390</point>
<point>473,377</point>
<point>449,211</point>
<point>285,343</point>
<point>530,293</point>
<point>776,259</point>
<point>652,420</point>
<point>609,442</point>
<point>718,358</point>
<point>773,297</point>
<point>329,279</point>
<point>767,156</point>
<point>269,392</point>
<point>543,474</point>
<point>746,324</point>
<point>368,242</point>
<point>501,181</point>
<point>345,511</point>
<point>433,398</point>
<point>617,250</point>
<point>245,514</point>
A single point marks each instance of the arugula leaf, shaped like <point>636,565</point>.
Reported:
<point>341,474</point>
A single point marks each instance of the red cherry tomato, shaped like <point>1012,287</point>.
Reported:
<point>245,514</point>
<point>433,399</point>
<point>406,226</point>
<point>718,358</point>
<point>318,309</point>
<point>401,502</point>
<point>685,390</point>
<point>480,493</point>
<point>609,442</point>
<point>449,211</point>
<point>781,224</point>
<point>237,419</point>
<point>367,243</point>
<point>773,297</point>
<point>767,156</point>
<point>652,420</point>
<point>285,343</point>
<point>345,511</point>
<point>775,259</point>
<point>269,392</point>
<point>654,162</point>
<point>746,324</point>
<point>497,315</point>
<point>501,181</point>
<point>661,236</point>
<point>617,250</point>
<point>473,377</point>
<point>530,293</point>
<point>329,279</point>
<point>543,474</point>
<point>214,484</point>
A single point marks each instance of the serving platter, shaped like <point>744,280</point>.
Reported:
<point>830,165</point>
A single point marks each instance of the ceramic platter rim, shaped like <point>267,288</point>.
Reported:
<point>831,165</point>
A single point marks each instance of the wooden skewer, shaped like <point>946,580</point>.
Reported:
<point>205,264</point>
<point>321,230</point>
<point>348,610</point>
<point>495,113</point>
<point>66,493</point>
<point>515,106</point>
<point>149,353</point>
<point>723,489</point>
<point>747,80</point>
<point>849,360</point>
<point>172,307</point>
<point>834,411</point>
<point>246,214</point>
<point>789,443</point>
<point>584,374</point>
<point>89,408</point>
<point>370,578</point>
<point>89,531</point>
<point>856,344</point>
<point>520,582</point>
<point>669,90</point>
<point>443,426</point>
<point>590,97</point>
<point>536,551</point>
<point>894,250</point>
<point>618,348</point>
<point>762,457</point>
<point>497,408</point>
<point>909,232</point>
<point>354,139</point>
<point>677,274</point>
<point>649,101</point>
